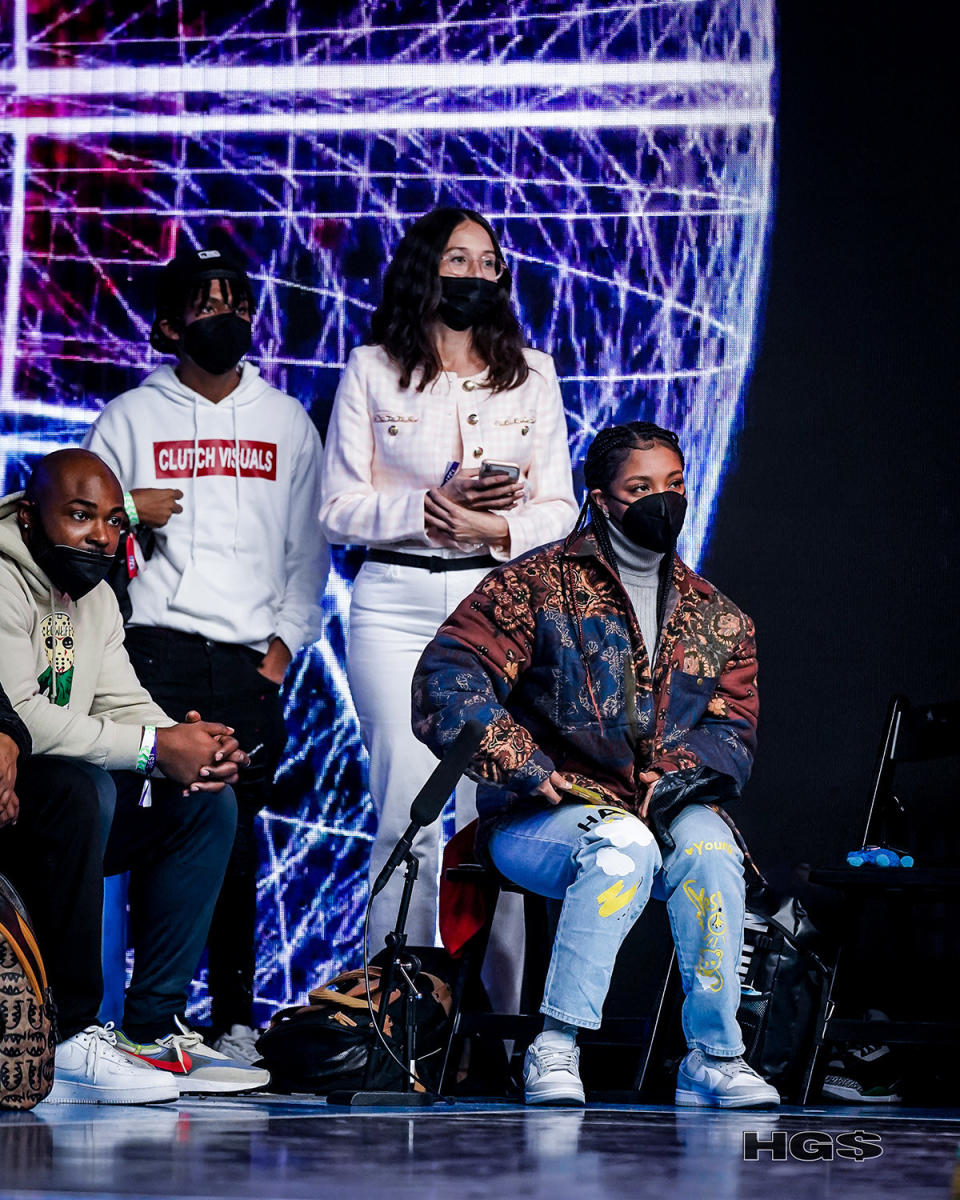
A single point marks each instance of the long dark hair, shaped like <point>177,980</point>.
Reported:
<point>403,321</point>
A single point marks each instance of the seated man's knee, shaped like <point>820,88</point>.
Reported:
<point>212,813</point>
<point>219,812</point>
<point>707,848</point>
<point>70,792</point>
<point>623,844</point>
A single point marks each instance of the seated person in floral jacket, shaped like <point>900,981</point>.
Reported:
<point>619,693</point>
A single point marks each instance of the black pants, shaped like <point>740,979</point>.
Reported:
<point>182,672</point>
<point>78,823</point>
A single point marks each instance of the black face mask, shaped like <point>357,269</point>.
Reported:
<point>654,522</point>
<point>466,300</point>
<point>72,571</point>
<point>217,343</point>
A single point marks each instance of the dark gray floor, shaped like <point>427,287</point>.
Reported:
<point>272,1148</point>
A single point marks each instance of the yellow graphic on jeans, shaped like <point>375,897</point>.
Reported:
<point>56,682</point>
<point>699,847</point>
<point>615,898</point>
<point>713,923</point>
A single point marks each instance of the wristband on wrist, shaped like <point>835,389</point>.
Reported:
<point>131,510</point>
<point>147,754</point>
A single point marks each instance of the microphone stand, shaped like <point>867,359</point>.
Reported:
<point>400,962</point>
<point>424,810</point>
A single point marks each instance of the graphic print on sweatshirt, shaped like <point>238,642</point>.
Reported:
<point>215,456</point>
<point>56,682</point>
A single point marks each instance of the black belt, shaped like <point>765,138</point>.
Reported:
<point>433,562</point>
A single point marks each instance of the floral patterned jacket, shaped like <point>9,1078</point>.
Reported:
<point>548,655</point>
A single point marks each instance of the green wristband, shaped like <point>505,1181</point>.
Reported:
<point>147,754</point>
<point>131,509</point>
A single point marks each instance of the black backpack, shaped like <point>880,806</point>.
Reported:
<point>784,984</point>
<point>27,1014</point>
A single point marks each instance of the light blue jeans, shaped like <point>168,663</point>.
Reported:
<point>604,864</point>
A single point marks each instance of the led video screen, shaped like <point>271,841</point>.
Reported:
<point>623,152</point>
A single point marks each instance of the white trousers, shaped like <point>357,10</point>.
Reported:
<point>395,611</point>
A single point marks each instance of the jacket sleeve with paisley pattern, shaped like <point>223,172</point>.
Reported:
<point>467,673</point>
<point>724,738</point>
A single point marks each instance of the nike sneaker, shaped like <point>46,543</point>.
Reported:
<point>705,1081</point>
<point>195,1067</point>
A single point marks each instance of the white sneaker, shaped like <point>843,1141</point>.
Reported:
<point>551,1074</point>
<point>88,1069</point>
<point>240,1044</point>
<point>708,1082</point>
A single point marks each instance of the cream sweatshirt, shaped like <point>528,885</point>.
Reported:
<point>63,664</point>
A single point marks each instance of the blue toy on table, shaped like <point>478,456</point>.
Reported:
<point>879,856</point>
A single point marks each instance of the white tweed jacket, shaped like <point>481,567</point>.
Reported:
<point>387,445</point>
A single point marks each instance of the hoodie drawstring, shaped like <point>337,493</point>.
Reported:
<point>236,478</point>
<point>53,652</point>
<point>196,458</point>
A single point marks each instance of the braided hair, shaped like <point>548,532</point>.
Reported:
<point>605,456</point>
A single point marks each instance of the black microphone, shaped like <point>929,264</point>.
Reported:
<point>429,802</point>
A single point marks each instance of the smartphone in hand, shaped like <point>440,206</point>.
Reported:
<point>509,470</point>
<point>581,793</point>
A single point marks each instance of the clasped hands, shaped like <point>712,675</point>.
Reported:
<point>203,756</point>
<point>466,508</point>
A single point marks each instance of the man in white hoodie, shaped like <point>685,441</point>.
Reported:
<point>225,472</point>
<point>88,804</point>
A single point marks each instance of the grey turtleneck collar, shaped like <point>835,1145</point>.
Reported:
<point>640,576</point>
<point>631,557</point>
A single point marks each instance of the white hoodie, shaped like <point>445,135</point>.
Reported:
<point>246,560</point>
<point>63,664</point>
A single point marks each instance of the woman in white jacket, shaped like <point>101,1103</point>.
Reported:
<point>444,386</point>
